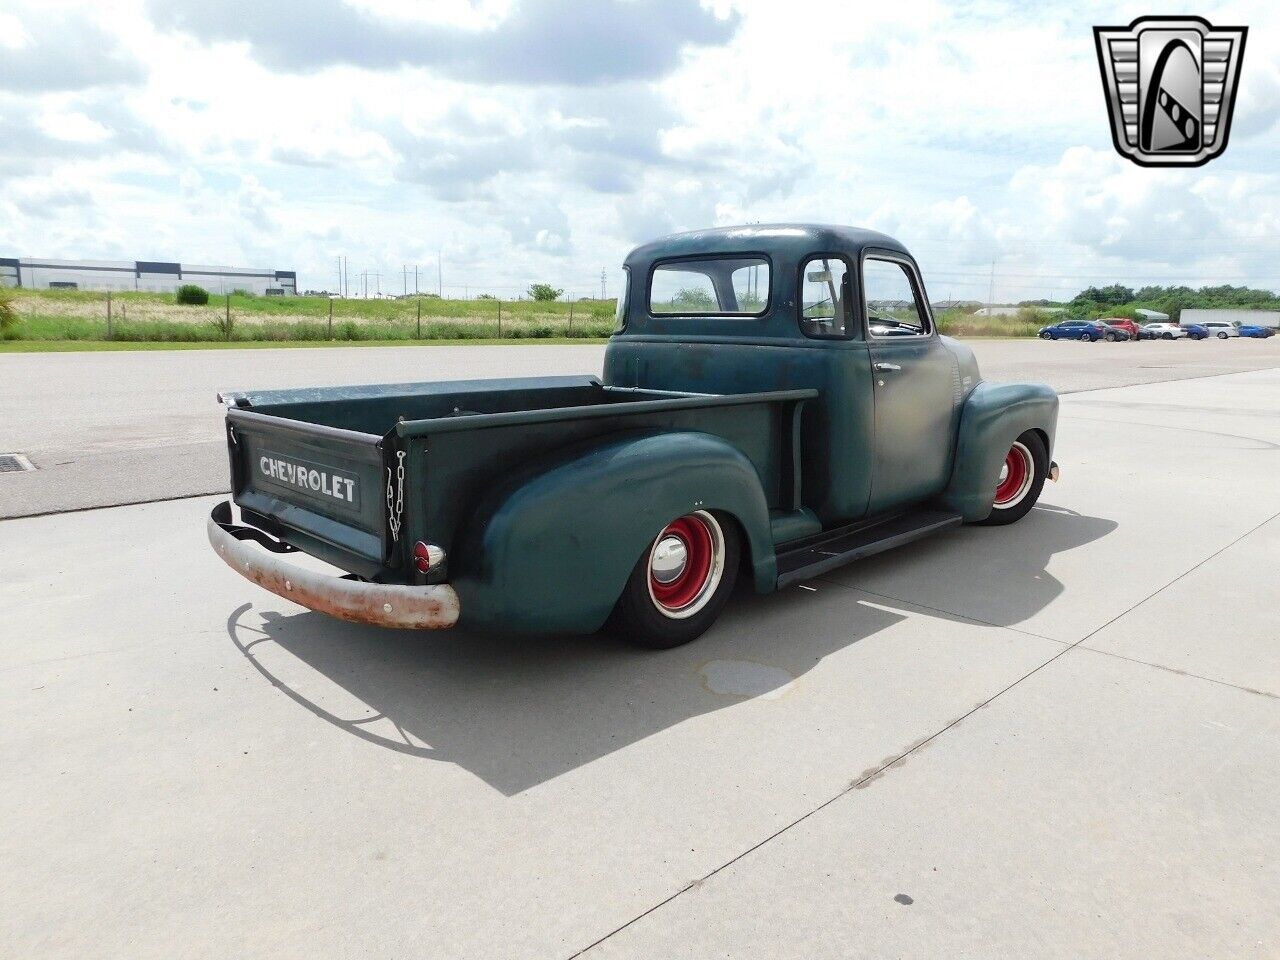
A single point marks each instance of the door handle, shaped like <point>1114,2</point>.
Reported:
<point>887,366</point>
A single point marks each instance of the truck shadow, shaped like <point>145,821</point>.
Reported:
<point>997,575</point>
<point>517,711</point>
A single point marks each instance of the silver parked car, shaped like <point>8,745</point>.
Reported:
<point>1222,329</point>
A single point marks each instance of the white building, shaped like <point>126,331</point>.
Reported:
<point>146,275</point>
<point>1262,318</point>
<point>1012,311</point>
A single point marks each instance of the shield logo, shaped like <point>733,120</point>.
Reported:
<point>1170,84</point>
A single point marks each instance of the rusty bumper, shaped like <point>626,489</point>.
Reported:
<point>428,607</point>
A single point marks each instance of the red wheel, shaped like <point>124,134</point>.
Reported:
<point>681,581</point>
<point>1015,476</point>
<point>686,563</point>
<point>1021,479</point>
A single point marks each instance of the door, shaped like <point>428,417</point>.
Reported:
<point>916,385</point>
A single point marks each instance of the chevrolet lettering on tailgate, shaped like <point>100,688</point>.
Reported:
<point>306,476</point>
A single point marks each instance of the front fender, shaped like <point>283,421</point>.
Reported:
<point>994,415</point>
<point>550,550</point>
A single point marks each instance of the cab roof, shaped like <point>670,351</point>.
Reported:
<point>794,239</point>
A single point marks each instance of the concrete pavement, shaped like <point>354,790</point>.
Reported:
<point>129,427</point>
<point>1056,739</point>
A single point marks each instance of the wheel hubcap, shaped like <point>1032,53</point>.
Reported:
<point>1015,477</point>
<point>670,557</point>
<point>686,563</point>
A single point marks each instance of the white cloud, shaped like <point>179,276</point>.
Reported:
<point>553,135</point>
<point>73,127</point>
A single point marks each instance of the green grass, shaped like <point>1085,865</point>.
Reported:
<point>97,346</point>
<point>141,318</point>
<point>61,320</point>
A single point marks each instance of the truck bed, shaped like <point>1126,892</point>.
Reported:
<point>320,468</point>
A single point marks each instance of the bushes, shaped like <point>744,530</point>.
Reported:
<point>543,292</point>
<point>8,315</point>
<point>192,295</point>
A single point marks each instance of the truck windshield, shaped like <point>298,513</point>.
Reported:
<point>715,286</point>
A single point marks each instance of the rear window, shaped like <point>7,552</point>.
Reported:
<point>713,286</point>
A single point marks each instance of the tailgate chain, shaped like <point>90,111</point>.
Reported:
<point>395,498</point>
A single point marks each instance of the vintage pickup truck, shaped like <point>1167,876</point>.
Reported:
<point>775,402</point>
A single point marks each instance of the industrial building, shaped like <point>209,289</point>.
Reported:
<point>1262,318</point>
<point>1006,310</point>
<point>149,276</point>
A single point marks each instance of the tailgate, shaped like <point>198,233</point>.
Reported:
<point>319,488</point>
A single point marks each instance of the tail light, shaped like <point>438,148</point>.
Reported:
<point>427,556</point>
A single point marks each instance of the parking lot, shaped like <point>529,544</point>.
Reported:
<point>1055,739</point>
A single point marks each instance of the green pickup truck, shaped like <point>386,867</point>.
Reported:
<point>775,402</point>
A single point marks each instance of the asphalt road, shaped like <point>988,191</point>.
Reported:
<point>1059,739</point>
<point>111,428</point>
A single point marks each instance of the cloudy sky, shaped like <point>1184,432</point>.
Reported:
<point>541,139</point>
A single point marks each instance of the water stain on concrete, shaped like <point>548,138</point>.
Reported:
<point>745,678</point>
<point>872,774</point>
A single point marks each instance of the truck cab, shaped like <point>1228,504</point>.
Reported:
<point>775,401</point>
<point>837,309</point>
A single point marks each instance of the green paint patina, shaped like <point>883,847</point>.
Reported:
<point>545,492</point>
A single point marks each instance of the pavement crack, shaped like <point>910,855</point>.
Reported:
<point>1144,383</point>
<point>113,506</point>
<point>1184,673</point>
<point>878,771</point>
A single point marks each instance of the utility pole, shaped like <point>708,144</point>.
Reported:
<point>339,274</point>
<point>991,292</point>
<point>415,279</point>
<point>602,269</point>
<point>440,273</point>
<point>406,279</point>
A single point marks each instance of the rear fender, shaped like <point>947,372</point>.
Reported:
<point>994,415</point>
<point>551,549</point>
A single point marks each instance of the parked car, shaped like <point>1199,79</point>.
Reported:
<point>1122,323</point>
<point>1162,331</point>
<point>1114,332</point>
<point>1196,331</point>
<point>776,435</point>
<point>1222,329</point>
<point>1256,330</point>
<point>1087,330</point>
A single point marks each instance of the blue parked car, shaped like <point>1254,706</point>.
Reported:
<point>1088,330</point>
<point>1196,331</point>
<point>1256,330</point>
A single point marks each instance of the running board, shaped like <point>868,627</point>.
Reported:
<point>845,545</point>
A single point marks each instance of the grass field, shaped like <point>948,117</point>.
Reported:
<point>58,319</point>
<point>57,316</point>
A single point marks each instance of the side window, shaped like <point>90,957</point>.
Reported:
<point>823,312</point>
<point>890,300</point>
